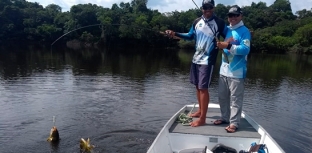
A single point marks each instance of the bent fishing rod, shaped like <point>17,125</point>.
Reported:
<point>75,30</point>
<point>163,33</point>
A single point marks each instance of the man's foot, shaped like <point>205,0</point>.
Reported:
<point>219,122</point>
<point>198,122</point>
<point>196,114</point>
<point>231,128</point>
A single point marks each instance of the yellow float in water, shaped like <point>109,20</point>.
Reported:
<point>85,145</point>
<point>54,135</point>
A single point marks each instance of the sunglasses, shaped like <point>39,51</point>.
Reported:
<point>233,15</point>
<point>207,7</point>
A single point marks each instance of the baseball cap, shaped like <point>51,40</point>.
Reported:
<point>208,2</point>
<point>235,10</point>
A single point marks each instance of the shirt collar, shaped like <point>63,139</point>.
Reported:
<point>239,24</point>
<point>209,19</point>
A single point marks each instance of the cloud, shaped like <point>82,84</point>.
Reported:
<point>296,5</point>
<point>248,2</point>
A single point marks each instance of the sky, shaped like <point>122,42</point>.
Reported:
<point>171,5</point>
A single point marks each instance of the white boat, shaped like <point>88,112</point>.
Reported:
<point>177,138</point>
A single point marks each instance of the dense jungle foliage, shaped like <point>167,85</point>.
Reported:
<point>275,28</point>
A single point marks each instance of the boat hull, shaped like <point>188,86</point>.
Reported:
<point>176,138</point>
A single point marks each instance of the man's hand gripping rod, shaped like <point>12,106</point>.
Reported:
<point>225,56</point>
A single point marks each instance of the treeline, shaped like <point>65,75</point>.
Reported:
<point>275,28</point>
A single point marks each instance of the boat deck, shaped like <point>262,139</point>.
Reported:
<point>245,130</point>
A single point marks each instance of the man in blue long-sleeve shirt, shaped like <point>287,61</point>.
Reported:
<point>236,47</point>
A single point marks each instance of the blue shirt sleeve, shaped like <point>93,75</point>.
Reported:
<point>187,36</point>
<point>244,47</point>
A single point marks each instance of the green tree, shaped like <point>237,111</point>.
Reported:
<point>139,5</point>
<point>47,32</point>
<point>281,6</point>
<point>280,44</point>
<point>304,13</point>
<point>84,14</point>
<point>221,11</point>
<point>53,10</point>
<point>304,35</point>
<point>12,23</point>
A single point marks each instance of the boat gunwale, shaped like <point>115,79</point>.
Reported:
<point>261,131</point>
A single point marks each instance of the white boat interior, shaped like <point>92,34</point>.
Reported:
<point>177,138</point>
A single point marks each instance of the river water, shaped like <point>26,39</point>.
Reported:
<point>121,101</point>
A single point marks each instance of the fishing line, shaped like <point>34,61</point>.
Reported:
<point>53,120</point>
<point>102,25</point>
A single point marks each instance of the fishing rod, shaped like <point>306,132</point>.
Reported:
<point>101,25</point>
<point>225,56</point>
<point>196,4</point>
<point>72,31</point>
<point>75,30</point>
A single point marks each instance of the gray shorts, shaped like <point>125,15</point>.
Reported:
<point>200,75</point>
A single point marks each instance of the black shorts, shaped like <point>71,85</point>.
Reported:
<point>200,75</point>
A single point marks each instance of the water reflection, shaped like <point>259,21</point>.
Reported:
<point>121,100</point>
<point>54,146</point>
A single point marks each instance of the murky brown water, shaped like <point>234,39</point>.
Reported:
<point>121,101</point>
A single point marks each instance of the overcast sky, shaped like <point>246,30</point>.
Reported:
<point>171,5</point>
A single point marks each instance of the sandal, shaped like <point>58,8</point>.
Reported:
<point>231,129</point>
<point>219,122</point>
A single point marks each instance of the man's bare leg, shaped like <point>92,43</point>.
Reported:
<point>204,101</point>
<point>197,113</point>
